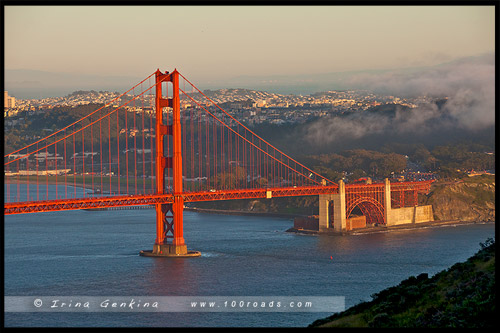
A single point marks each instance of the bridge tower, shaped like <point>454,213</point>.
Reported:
<point>169,217</point>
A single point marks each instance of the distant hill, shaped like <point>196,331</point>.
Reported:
<point>409,81</point>
<point>439,79</point>
<point>461,296</point>
<point>34,84</point>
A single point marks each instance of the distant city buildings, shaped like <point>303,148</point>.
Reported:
<point>34,106</point>
<point>249,106</point>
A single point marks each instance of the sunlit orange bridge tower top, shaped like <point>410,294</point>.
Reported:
<point>169,217</point>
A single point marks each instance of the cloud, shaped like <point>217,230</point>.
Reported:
<point>468,84</point>
<point>337,129</point>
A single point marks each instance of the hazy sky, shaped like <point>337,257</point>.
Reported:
<point>227,41</point>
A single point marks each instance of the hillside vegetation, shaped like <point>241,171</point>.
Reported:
<point>461,296</point>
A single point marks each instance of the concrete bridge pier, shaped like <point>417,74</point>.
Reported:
<point>324,214</point>
<point>404,215</point>
<point>339,209</point>
<point>387,203</point>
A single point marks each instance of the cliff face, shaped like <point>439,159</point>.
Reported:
<point>468,200</point>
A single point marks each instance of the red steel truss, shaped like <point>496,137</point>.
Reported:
<point>369,198</point>
<point>160,199</point>
<point>405,194</point>
<point>355,194</point>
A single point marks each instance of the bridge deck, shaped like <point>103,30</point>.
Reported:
<point>151,199</point>
<point>134,200</point>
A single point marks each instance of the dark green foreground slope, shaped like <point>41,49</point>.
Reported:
<point>461,296</point>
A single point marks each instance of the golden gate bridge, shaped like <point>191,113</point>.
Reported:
<point>142,149</point>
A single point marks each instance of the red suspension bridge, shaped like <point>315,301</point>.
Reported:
<point>141,149</point>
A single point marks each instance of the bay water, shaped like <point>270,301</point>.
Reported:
<point>96,253</point>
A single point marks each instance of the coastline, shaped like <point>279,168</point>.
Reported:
<point>360,231</point>
<point>239,212</point>
<point>382,229</point>
<point>87,186</point>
